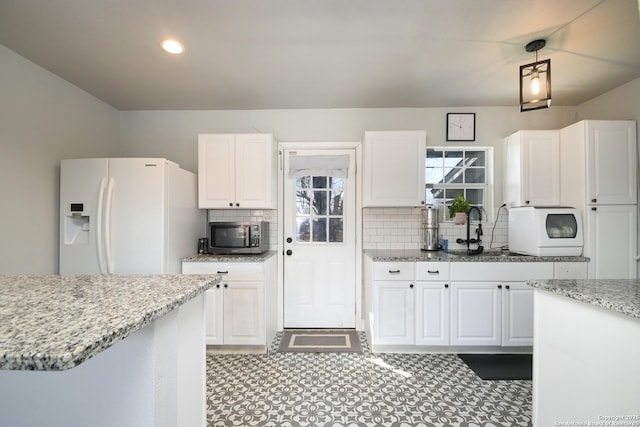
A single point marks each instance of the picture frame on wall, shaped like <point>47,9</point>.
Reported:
<point>461,126</point>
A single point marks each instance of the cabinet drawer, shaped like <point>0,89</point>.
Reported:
<point>501,271</point>
<point>232,271</point>
<point>432,271</point>
<point>393,271</point>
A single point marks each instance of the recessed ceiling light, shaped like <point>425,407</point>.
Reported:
<point>172,46</point>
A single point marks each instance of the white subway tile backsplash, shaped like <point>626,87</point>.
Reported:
<point>406,225</point>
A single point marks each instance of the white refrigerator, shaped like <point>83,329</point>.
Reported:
<point>127,216</point>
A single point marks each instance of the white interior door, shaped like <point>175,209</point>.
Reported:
<point>320,245</point>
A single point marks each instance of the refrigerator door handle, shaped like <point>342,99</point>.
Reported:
<point>99,227</point>
<point>107,227</point>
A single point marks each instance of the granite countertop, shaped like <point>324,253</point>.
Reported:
<point>491,255</point>
<point>229,258</point>
<point>618,295</point>
<point>53,323</point>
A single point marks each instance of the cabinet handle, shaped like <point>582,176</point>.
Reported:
<point>433,271</point>
<point>594,200</point>
<point>218,286</point>
<point>238,204</point>
<point>499,286</point>
<point>594,209</point>
<point>226,286</point>
<point>446,286</point>
<point>526,202</point>
<point>411,286</point>
<point>507,286</point>
<point>230,204</point>
<point>394,271</point>
<point>223,272</point>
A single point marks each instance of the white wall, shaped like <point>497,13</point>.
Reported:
<point>43,119</point>
<point>621,103</point>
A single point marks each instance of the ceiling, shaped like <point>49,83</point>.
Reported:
<point>273,54</point>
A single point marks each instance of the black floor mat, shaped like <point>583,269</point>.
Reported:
<point>500,366</point>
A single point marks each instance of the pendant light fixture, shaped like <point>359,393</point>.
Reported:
<point>535,80</point>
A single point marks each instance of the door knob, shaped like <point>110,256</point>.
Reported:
<point>289,252</point>
<point>289,240</point>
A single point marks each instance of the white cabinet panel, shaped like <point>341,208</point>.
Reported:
<point>517,314</point>
<point>394,165</point>
<point>393,312</point>
<point>611,162</point>
<point>532,169</point>
<point>214,332</point>
<point>432,313</point>
<point>476,313</point>
<point>244,313</point>
<point>611,238</point>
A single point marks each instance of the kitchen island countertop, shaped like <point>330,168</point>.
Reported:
<point>54,323</point>
<point>417,255</point>
<point>620,295</point>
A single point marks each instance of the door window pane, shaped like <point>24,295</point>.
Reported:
<point>319,230</point>
<point>335,230</point>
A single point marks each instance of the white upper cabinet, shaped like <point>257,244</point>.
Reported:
<point>598,159</point>
<point>394,163</point>
<point>237,171</point>
<point>532,168</point>
<point>611,162</point>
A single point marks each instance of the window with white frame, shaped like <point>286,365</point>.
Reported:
<point>458,170</point>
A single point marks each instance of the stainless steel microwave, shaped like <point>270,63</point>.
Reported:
<point>237,237</point>
<point>540,231</point>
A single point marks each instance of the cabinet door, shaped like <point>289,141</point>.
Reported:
<point>255,171</point>
<point>244,322</point>
<point>213,316</point>
<point>216,182</point>
<point>394,165</point>
<point>476,313</point>
<point>393,312</point>
<point>517,314</point>
<point>432,313</point>
<point>612,241</point>
<point>541,168</point>
<point>532,169</point>
<point>611,162</point>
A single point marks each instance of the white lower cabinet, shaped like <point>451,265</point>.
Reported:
<point>517,314</point>
<point>491,303</point>
<point>455,304</point>
<point>432,313</point>
<point>392,315</point>
<point>432,295</point>
<point>236,309</point>
<point>476,313</point>
<point>393,308</point>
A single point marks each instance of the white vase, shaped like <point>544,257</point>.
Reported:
<point>460,218</point>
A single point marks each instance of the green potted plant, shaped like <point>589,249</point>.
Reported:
<point>459,209</point>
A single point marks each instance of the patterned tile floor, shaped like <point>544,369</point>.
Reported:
<point>358,389</point>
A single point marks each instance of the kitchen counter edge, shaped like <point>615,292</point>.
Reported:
<point>230,258</point>
<point>619,295</point>
<point>416,255</point>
